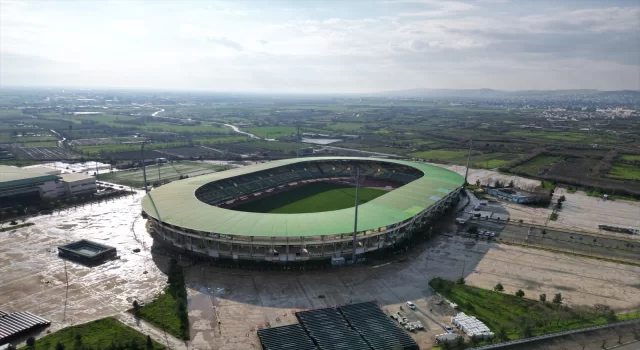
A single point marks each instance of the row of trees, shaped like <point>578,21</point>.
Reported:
<point>557,299</point>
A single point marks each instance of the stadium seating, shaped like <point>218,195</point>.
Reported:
<point>224,190</point>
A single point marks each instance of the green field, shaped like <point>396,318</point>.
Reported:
<point>169,171</point>
<point>515,315</point>
<point>284,147</point>
<point>623,171</point>
<point>533,166</point>
<point>271,132</point>
<point>631,157</point>
<point>459,156</point>
<point>314,197</point>
<point>95,335</point>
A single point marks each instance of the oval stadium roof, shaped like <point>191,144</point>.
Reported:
<point>176,204</point>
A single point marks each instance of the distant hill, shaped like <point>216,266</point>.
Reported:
<point>491,93</point>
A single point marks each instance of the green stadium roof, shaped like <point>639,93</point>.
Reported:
<point>176,204</point>
<point>13,176</point>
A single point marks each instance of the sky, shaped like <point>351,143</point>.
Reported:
<point>328,46</point>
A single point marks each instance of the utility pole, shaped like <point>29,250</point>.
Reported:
<point>356,175</point>
<point>466,172</point>
<point>144,168</point>
<point>158,164</point>
<point>298,141</point>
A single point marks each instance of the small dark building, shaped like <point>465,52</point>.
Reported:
<point>87,252</point>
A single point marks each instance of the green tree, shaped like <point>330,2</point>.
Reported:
<point>557,299</point>
<point>31,342</point>
<point>59,346</point>
<point>473,229</point>
<point>543,297</point>
<point>498,287</point>
<point>502,334</point>
<point>461,281</point>
<point>149,343</point>
<point>519,293</point>
<point>526,331</point>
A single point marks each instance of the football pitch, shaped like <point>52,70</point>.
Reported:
<point>167,171</point>
<point>311,198</point>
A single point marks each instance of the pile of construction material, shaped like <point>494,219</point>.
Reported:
<point>472,327</point>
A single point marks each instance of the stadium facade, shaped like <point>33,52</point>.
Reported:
<point>194,214</point>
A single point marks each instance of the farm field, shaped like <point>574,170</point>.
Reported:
<point>98,150</point>
<point>44,153</point>
<point>573,165</point>
<point>533,167</point>
<point>314,197</point>
<point>459,156</point>
<point>271,132</point>
<point>623,171</point>
<point>100,333</point>
<point>631,157</point>
<point>168,171</point>
<point>566,136</point>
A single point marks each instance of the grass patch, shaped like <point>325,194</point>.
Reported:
<point>553,216</point>
<point>623,171</point>
<point>535,166</point>
<point>167,172</point>
<point>284,147</point>
<point>98,150</point>
<point>169,310</point>
<point>512,317</point>
<point>548,185</point>
<point>11,228</point>
<point>97,335</point>
<point>571,189</point>
<point>631,157</point>
<point>459,156</point>
<point>311,198</point>
<point>271,132</point>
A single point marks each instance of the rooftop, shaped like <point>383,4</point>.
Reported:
<point>176,204</point>
<point>14,176</point>
<point>71,177</point>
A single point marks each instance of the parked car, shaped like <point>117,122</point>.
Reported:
<point>411,305</point>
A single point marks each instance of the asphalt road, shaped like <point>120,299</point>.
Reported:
<point>578,243</point>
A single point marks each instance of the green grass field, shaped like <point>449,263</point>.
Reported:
<point>272,132</point>
<point>504,310</point>
<point>532,167</point>
<point>169,171</point>
<point>314,197</point>
<point>623,171</point>
<point>162,313</point>
<point>459,156</point>
<point>631,157</point>
<point>97,334</point>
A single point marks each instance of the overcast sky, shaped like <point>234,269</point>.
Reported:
<point>321,46</point>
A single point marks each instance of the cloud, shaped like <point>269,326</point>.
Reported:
<point>225,42</point>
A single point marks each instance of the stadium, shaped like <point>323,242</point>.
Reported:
<point>300,209</point>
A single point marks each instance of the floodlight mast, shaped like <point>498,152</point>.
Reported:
<point>356,175</point>
<point>144,169</point>
<point>466,172</point>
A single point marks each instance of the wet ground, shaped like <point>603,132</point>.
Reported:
<point>33,278</point>
<point>227,306</point>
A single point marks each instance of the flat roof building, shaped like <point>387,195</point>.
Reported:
<point>25,184</point>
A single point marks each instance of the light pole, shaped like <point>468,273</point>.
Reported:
<point>356,175</point>
<point>466,172</point>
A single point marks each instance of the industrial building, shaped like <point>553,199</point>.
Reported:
<point>33,184</point>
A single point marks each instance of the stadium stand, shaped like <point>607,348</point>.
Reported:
<point>291,337</point>
<point>330,330</point>
<point>376,328</point>
<point>224,190</point>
